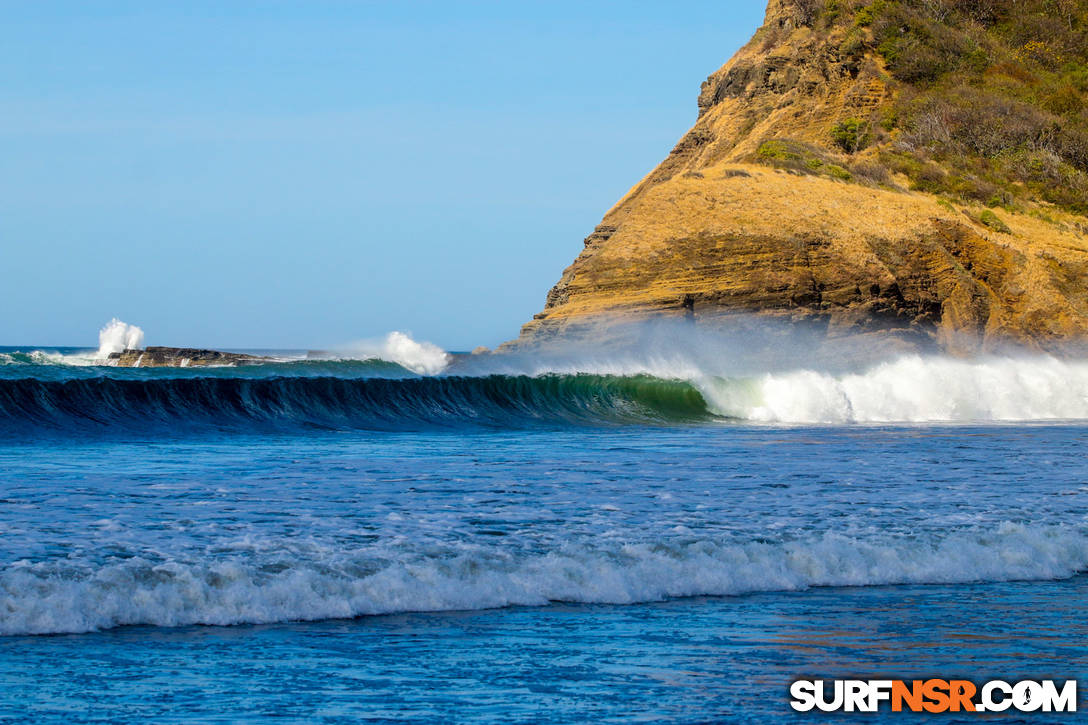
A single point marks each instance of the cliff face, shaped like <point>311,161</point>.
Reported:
<point>801,194</point>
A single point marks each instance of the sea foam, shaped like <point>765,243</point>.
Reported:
<point>313,583</point>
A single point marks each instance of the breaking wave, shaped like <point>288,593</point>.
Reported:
<point>377,395</point>
<point>304,581</point>
<point>911,389</point>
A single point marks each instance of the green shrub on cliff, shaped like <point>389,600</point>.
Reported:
<point>838,172</point>
<point>993,221</point>
<point>802,158</point>
<point>851,135</point>
<point>779,150</point>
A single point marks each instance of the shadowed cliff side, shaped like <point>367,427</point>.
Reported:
<point>835,179</point>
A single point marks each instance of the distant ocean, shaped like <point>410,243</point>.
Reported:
<point>406,535</point>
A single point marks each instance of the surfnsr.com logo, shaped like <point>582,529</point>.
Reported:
<point>933,696</point>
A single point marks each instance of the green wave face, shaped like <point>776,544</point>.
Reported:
<point>181,404</point>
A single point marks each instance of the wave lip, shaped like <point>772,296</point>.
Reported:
<point>315,583</point>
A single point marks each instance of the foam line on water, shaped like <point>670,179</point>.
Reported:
<point>313,583</point>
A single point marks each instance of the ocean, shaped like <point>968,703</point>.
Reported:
<point>409,536</point>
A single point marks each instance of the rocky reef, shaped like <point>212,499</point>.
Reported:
<point>801,193</point>
<point>181,357</point>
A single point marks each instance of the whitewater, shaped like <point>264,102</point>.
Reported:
<point>180,497</point>
<point>282,581</point>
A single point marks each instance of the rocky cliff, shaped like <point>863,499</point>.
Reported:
<point>891,168</point>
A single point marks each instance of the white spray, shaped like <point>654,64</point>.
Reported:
<point>423,358</point>
<point>420,357</point>
<point>118,336</point>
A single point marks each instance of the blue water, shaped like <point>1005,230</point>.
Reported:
<point>348,540</point>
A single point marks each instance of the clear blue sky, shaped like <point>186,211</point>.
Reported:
<point>302,174</point>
